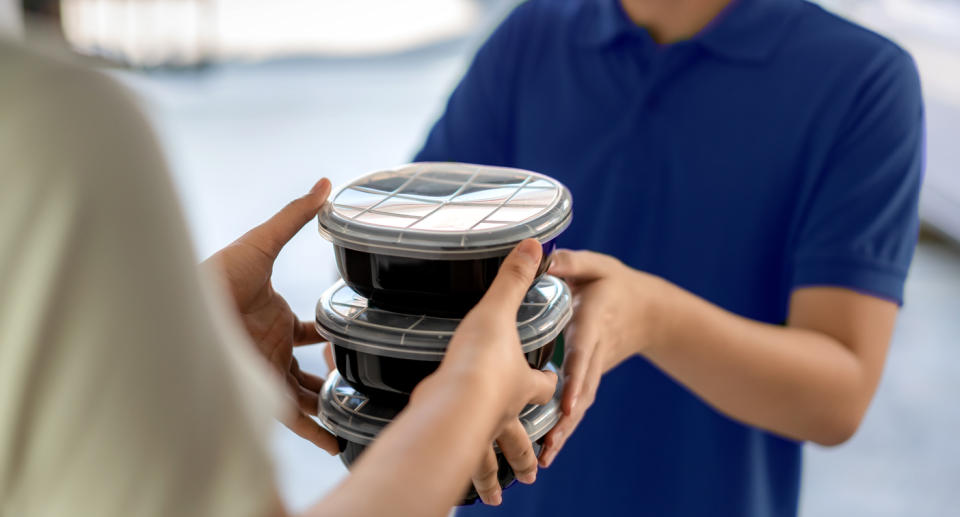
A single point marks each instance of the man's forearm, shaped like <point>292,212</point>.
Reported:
<point>799,383</point>
<point>421,463</point>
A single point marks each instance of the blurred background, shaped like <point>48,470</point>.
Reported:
<point>253,101</point>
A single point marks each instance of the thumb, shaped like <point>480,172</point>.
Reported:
<point>515,277</point>
<point>271,236</point>
<point>544,384</point>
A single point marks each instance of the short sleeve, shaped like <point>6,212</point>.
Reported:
<point>476,124</point>
<point>125,388</point>
<point>861,228</point>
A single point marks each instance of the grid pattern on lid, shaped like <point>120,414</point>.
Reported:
<point>353,402</point>
<point>446,198</point>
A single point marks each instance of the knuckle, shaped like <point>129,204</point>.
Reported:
<point>522,456</point>
<point>487,478</point>
<point>304,400</point>
<point>588,400</point>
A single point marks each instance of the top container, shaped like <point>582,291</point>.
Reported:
<point>430,237</point>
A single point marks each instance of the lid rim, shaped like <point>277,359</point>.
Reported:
<point>458,253</point>
<point>402,345</point>
<point>534,424</point>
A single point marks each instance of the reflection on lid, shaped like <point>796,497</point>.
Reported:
<point>447,198</point>
<point>353,402</point>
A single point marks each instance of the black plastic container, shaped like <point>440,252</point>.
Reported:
<point>429,238</point>
<point>356,421</point>
<point>386,354</point>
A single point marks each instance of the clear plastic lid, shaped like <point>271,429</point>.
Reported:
<point>350,415</point>
<point>445,210</point>
<point>344,318</point>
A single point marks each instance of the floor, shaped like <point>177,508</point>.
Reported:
<point>243,140</point>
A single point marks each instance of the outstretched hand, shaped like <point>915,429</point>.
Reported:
<point>247,267</point>
<point>486,343</point>
<point>613,319</point>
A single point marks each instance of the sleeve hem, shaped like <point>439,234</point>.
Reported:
<point>871,278</point>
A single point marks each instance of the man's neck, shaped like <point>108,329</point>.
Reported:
<point>669,21</point>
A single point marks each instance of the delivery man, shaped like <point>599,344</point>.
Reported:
<point>746,174</point>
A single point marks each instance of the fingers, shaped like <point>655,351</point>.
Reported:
<point>328,357</point>
<point>485,479</point>
<point>307,400</point>
<point>514,278</point>
<point>305,379</point>
<point>578,266</point>
<point>554,440</point>
<point>308,429</point>
<point>305,333</point>
<point>271,236</point>
<point>544,385</point>
<point>557,437</point>
<point>580,345</point>
<point>518,450</point>
<point>305,389</point>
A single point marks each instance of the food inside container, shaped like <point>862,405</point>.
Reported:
<point>429,237</point>
<point>356,421</point>
<point>385,354</point>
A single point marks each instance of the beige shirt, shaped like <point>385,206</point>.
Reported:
<point>124,391</point>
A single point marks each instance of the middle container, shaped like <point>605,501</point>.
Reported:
<point>385,354</point>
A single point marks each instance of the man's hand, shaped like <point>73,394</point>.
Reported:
<point>247,265</point>
<point>812,379</point>
<point>605,330</point>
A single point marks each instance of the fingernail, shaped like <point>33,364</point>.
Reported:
<point>573,404</point>
<point>530,250</point>
<point>496,499</point>
<point>553,263</point>
<point>556,258</point>
<point>555,444</point>
<point>317,186</point>
<point>549,459</point>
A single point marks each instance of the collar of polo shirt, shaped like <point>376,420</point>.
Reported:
<point>746,30</point>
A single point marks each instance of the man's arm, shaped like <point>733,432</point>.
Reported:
<point>811,380</point>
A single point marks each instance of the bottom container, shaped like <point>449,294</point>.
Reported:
<point>356,421</point>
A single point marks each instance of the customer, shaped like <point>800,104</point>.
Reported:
<point>128,389</point>
<point>747,175</point>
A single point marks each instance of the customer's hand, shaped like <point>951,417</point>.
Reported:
<point>247,265</point>
<point>614,319</point>
<point>486,347</point>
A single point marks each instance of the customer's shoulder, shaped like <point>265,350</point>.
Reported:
<point>60,115</point>
<point>36,78</point>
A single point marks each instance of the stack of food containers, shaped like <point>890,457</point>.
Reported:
<point>417,247</point>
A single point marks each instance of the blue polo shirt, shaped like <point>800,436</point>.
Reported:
<point>779,148</point>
